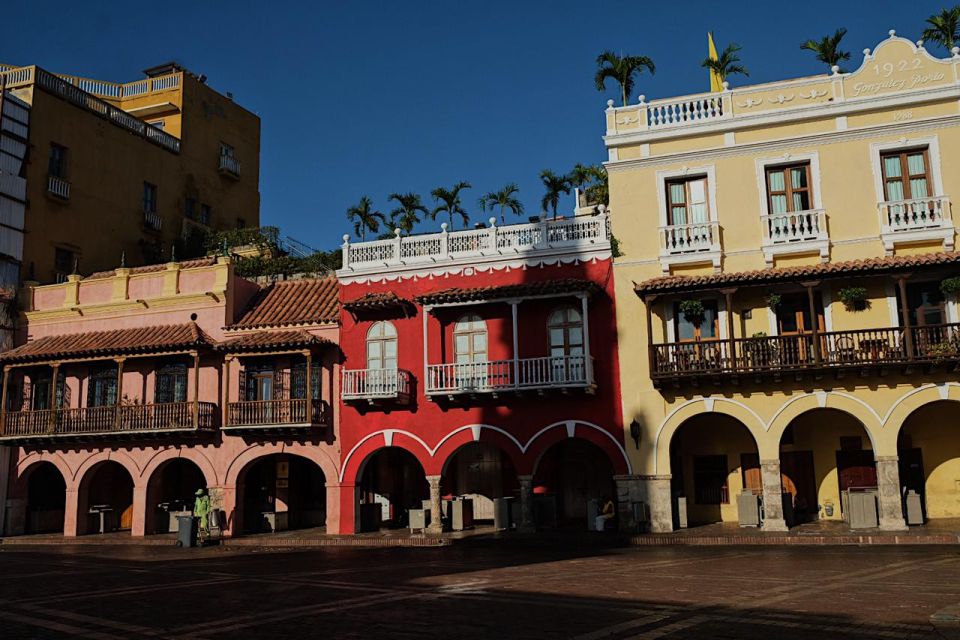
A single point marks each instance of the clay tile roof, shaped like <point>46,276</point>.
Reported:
<point>267,340</point>
<point>376,302</point>
<point>849,268</point>
<point>153,268</point>
<point>293,302</point>
<point>110,343</point>
<point>526,289</point>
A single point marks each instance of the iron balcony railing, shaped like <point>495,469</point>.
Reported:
<point>152,220</point>
<point>58,187</point>
<point>375,384</point>
<point>835,349</point>
<point>506,375</point>
<point>110,420</point>
<point>277,413</point>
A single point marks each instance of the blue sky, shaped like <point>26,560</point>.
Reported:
<point>366,98</point>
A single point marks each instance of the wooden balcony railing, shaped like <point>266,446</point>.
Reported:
<point>112,420</point>
<point>277,413</point>
<point>375,384</point>
<point>505,375</point>
<point>836,349</point>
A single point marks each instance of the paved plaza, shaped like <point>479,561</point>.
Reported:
<point>483,590</point>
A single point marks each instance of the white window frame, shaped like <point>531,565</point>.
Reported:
<point>715,254</point>
<point>382,340</point>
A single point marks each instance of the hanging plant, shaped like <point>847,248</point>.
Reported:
<point>853,298</point>
<point>950,287</point>
<point>693,311</point>
<point>773,301</point>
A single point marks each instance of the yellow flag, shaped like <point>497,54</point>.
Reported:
<point>716,82</point>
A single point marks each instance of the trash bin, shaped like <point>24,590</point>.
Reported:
<point>748,508</point>
<point>501,513</point>
<point>186,531</point>
<point>680,513</point>
<point>914,508</point>
<point>862,505</point>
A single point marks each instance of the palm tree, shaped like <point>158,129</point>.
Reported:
<point>599,191</point>
<point>505,198</point>
<point>727,63</point>
<point>407,214</point>
<point>623,70</point>
<point>364,218</point>
<point>449,202</point>
<point>555,185</point>
<point>944,28</point>
<point>828,48</point>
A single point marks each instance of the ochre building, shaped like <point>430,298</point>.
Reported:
<point>790,329</point>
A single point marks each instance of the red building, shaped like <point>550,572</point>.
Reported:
<point>480,363</point>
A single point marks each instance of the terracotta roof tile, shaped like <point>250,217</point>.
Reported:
<point>266,340</point>
<point>109,343</point>
<point>866,267</point>
<point>293,302</point>
<point>153,268</point>
<point>376,302</point>
<point>525,289</point>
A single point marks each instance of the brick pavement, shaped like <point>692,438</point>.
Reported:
<point>476,591</point>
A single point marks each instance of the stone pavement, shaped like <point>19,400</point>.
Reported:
<point>483,590</point>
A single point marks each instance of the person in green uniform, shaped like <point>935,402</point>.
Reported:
<point>201,510</point>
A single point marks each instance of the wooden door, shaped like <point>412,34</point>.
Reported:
<point>750,469</point>
<point>798,479</point>
<point>856,469</point>
<point>793,319</point>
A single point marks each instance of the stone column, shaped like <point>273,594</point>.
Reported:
<point>888,484</point>
<point>656,491</point>
<point>772,496</point>
<point>627,494</point>
<point>526,524</point>
<point>436,509</point>
<point>71,514</point>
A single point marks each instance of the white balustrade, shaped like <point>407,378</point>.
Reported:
<point>494,240</point>
<point>916,214</point>
<point>152,220</point>
<point>373,384</point>
<point>229,164</point>
<point>58,187</point>
<point>692,109</point>
<point>504,375</point>
<point>793,227</point>
<point>678,239</point>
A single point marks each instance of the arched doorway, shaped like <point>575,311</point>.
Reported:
<point>106,499</point>
<point>569,476</point>
<point>172,491</point>
<point>929,453</point>
<point>713,458</point>
<point>282,491</point>
<point>391,482</point>
<point>481,472</point>
<point>823,453</point>
<point>46,499</point>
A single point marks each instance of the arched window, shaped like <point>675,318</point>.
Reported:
<point>470,340</point>
<point>565,326</point>
<point>382,346</point>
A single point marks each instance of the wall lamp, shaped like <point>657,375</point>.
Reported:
<point>635,433</point>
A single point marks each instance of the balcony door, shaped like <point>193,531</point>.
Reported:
<point>102,388</point>
<point>906,175</point>
<point>565,326</point>
<point>928,313</point>
<point>794,321</point>
<point>381,358</point>
<point>171,384</point>
<point>470,352</point>
<point>698,342</point>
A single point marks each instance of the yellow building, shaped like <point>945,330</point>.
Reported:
<point>790,330</point>
<point>127,168</point>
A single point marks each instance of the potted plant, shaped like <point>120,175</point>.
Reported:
<point>853,298</point>
<point>773,301</point>
<point>950,287</point>
<point>693,311</point>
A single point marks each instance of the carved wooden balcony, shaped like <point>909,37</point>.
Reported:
<point>284,415</point>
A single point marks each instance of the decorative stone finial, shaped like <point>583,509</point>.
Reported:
<point>836,69</point>
<point>919,44</point>
<point>892,32</point>
<point>346,237</point>
<point>397,231</point>
<point>609,104</point>
<point>76,267</point>
<point>224,249</point>
<point>726,85</point>
<point>493,222</point>
<point>866,53</point>
<point>173,252</point>
<point>123,259</point>
<point>642,99</point>
<point>443,227</point>
<point>956,52</point>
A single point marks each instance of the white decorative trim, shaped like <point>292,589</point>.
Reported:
<point>933,151</point>
<point>715,254</point>
<point>826,299</point>
<point>708,404</point>
<point>571,428</point>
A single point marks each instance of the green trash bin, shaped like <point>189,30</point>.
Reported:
<point>186,531</point>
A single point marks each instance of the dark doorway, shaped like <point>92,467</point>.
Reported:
<point>46,499</point>
<point>569,475</point>
<point>391,483</point>
<point>108,499</point>
<point>799,480</point>
<point>483,473</point>
<point>283,492</point>
<point>171,492</point>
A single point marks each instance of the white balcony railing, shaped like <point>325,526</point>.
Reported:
<point>375,384</point>
<point>576,232</point>
<point>692,109</point>
<point>794,227</point>
<point>677,239</point>
<point>505,375</point>
<point>152,220</point>
<point>58,187</point>
<point>916,214</point>
<point>229,164</point>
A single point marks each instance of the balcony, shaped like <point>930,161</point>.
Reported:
<point>917,220</point>
<point>536,374</point>
<point>229,166</point>
<point>289,414</point>
<point>376,385</point>
<point>689,243</point>
<point>152,221</point>
<point>835,352</point>
<point>58,188</point>
<point>795,232</point>
<point>26,427</point>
